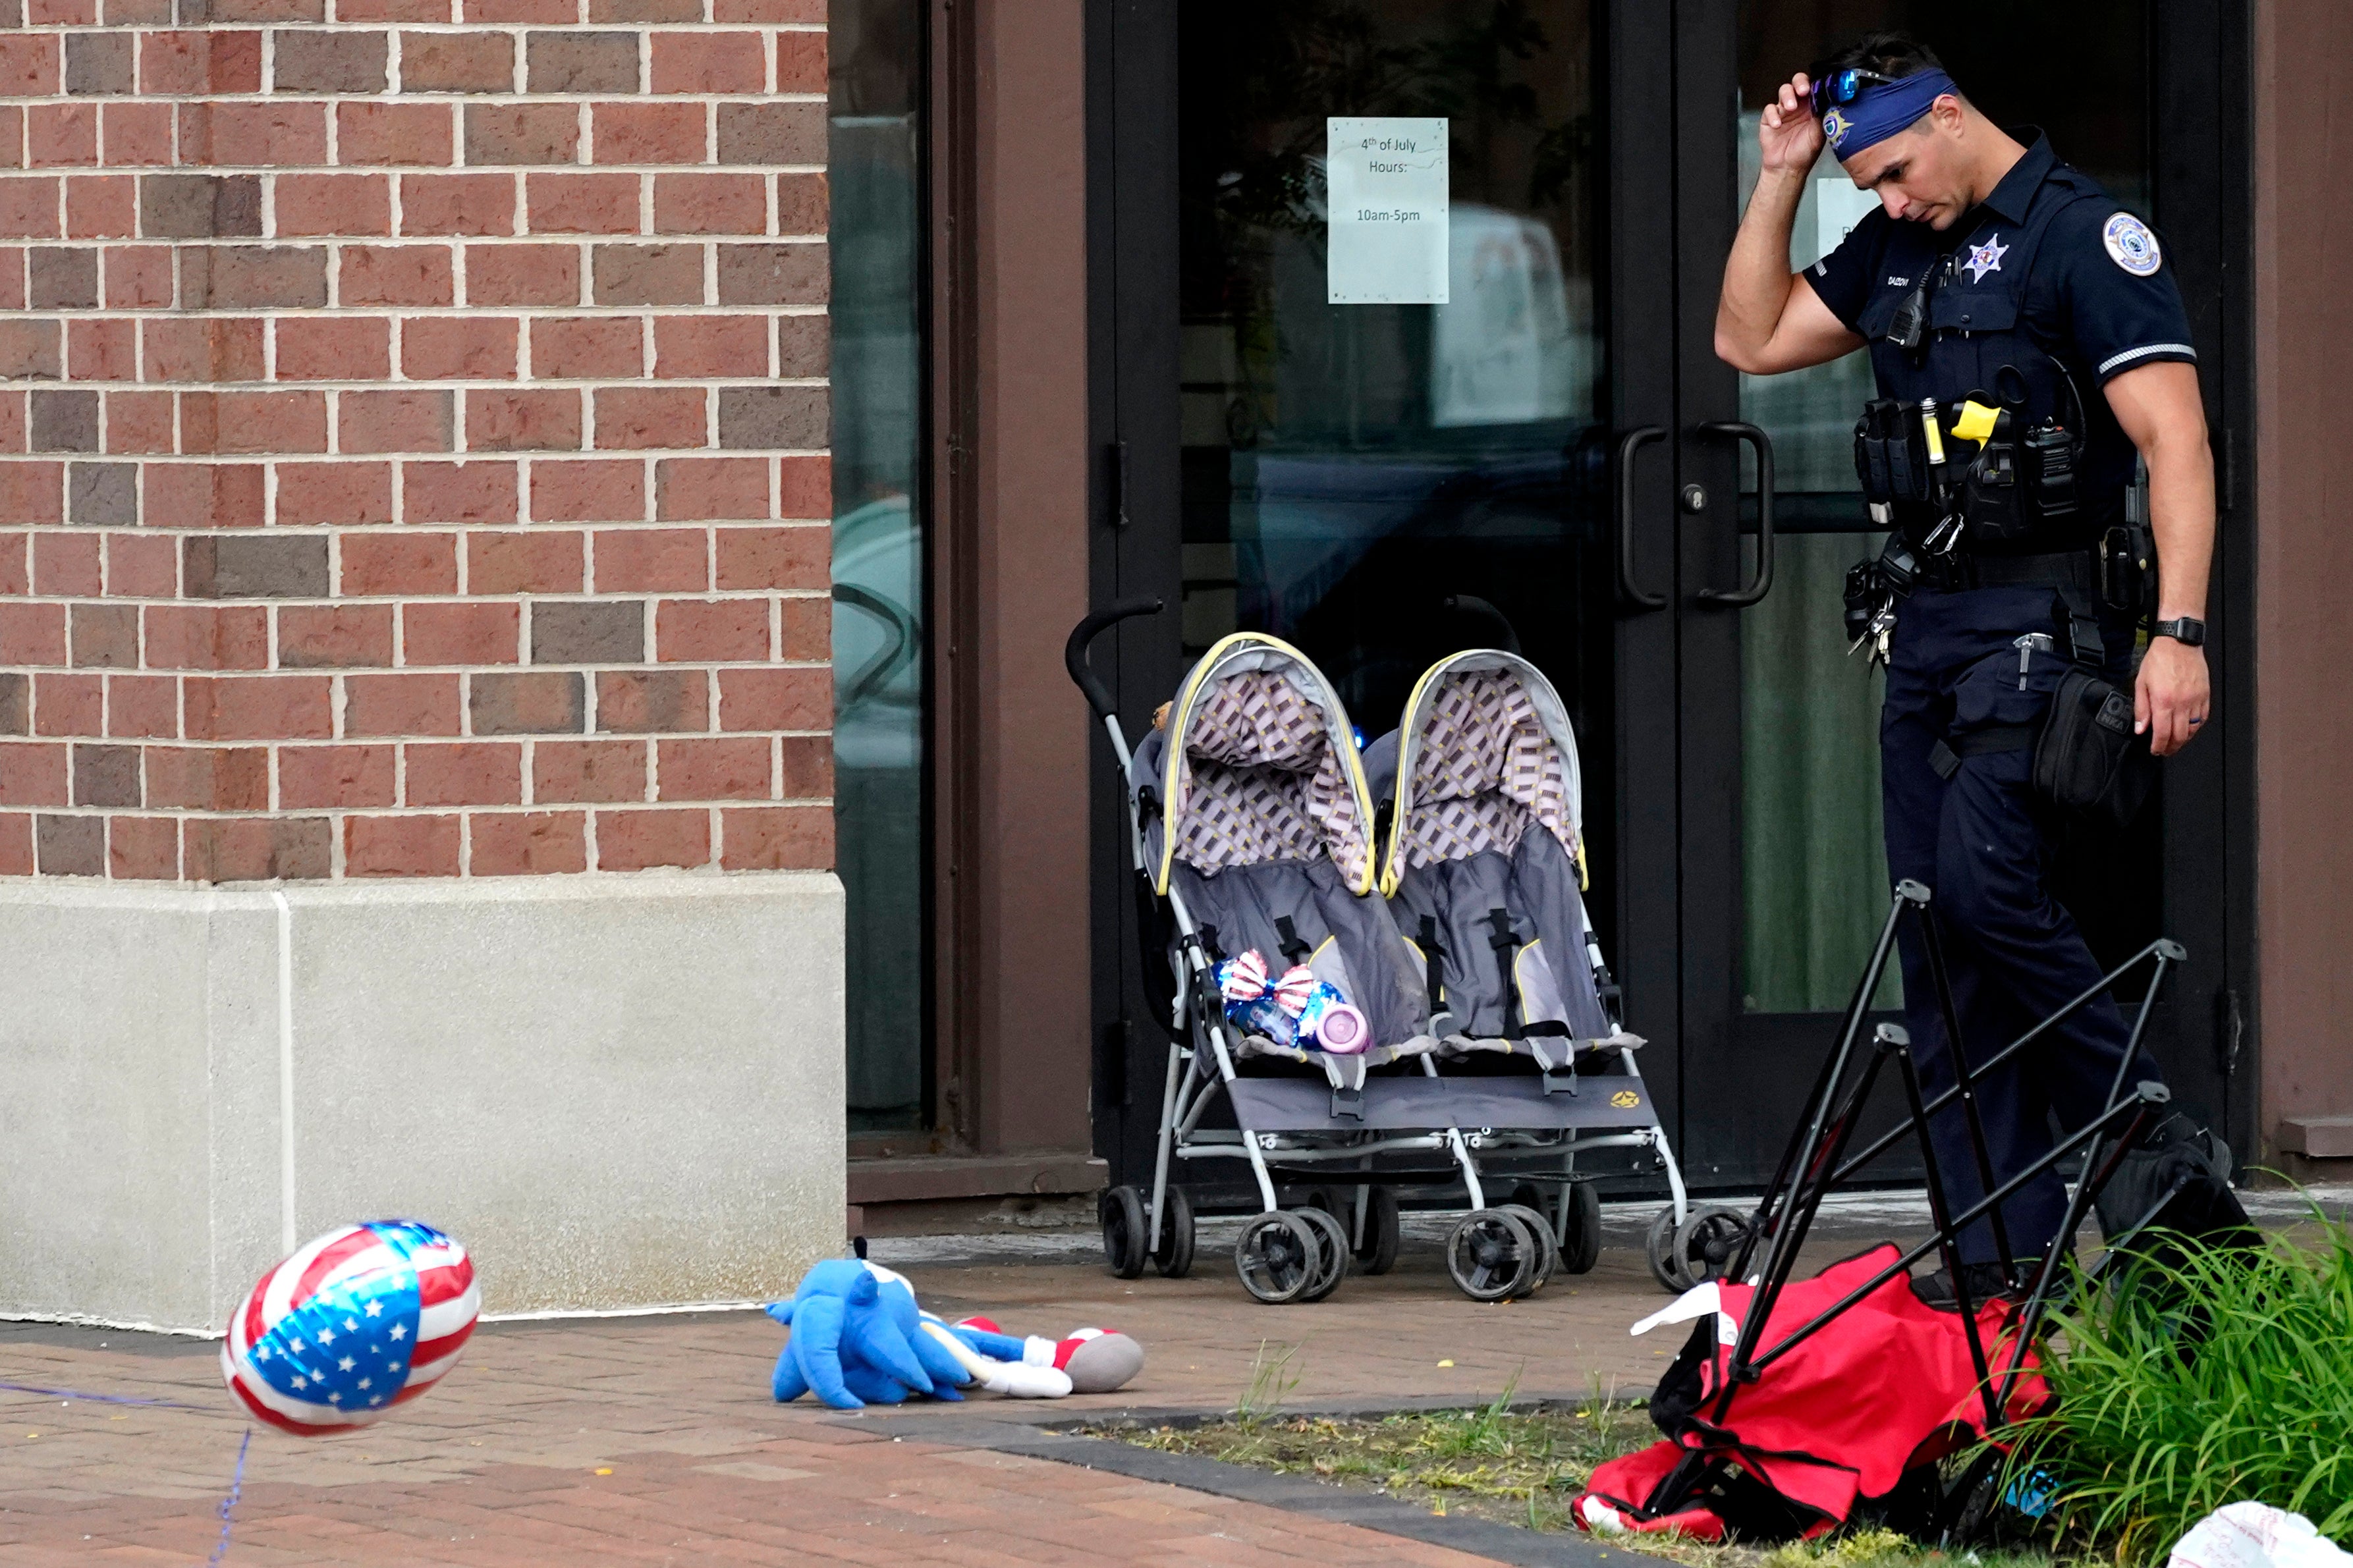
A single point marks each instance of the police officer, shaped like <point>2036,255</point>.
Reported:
<point>1992,268</point>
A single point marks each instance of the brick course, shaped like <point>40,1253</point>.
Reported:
<point>414,438</point>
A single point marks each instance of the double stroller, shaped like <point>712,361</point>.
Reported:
<point>1488,1053</point>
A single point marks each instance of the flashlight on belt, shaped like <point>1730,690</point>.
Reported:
<point>1948,531</point>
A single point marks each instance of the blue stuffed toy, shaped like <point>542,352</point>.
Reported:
<point>858,1339</point>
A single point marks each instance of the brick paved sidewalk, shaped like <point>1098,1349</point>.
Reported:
<point>653,1439</point>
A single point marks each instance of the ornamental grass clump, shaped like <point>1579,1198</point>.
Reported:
<point>2210,1379</point>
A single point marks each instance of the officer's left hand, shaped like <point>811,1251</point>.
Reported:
<point>2170,701</point>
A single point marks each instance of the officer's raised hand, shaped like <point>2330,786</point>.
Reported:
<point>1786,132</point>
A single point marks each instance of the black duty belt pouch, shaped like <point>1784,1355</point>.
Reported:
<point>1992,502</point>
<point>1891,452</point>
<point>2129,569</point>
<point>2088,758</point>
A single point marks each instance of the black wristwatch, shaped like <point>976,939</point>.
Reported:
<point>2185,631</point>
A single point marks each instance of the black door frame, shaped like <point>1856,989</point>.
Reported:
<point>1674,890</point>
<point>1134,530</point>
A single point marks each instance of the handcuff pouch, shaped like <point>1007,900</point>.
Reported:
<point>2129,569</point>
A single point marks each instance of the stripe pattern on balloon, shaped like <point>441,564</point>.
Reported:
<point>359,1320</point>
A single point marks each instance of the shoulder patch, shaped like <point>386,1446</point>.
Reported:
<point>2131,246</point>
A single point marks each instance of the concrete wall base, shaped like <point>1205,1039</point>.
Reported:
<point>617,1092</point>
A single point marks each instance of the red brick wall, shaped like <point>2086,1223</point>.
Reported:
<point>413,435</point>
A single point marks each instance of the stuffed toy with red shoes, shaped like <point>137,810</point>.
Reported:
<point>1096,1361</point>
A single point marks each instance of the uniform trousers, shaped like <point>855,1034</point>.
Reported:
<point>1983,841</point>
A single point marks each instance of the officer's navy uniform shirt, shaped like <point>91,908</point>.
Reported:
<point>2074,296</point>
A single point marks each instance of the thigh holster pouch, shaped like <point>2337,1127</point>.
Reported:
<point>2087,756</point>
<point>2089,759</point>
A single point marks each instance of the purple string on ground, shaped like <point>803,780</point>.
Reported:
<point>96,1398</point>
<point>228,1504</point>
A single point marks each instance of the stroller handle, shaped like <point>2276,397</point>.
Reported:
<point>1074,652</point>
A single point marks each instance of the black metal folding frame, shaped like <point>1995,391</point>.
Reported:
<point>1816,1162</point>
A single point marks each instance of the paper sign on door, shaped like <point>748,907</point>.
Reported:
<point>1838,207</point>
<point>1387,191</point>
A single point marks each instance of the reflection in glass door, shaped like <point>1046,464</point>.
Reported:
<point>1383,483</point>
<point>1813,869</point>
<point>875,176</point>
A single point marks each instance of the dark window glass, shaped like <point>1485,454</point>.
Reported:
<point>1383,483</point>
<point>876,178</point>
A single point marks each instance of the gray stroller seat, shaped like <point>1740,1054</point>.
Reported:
<point>1483,866</point>
<point>1262,826</point>
<point>1483,861</point>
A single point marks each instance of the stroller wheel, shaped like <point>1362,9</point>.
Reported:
<point>1124,1233</point>
<point>1659,1246</point>
<point>1582,1248</point>
<point>1331,1253</point>
<point>1276,1256</point>
<point>1492,1256</point>
<point>1378,1253</point>
<point>1175,1256</point>
<point>1539,1232</point>
<point>1707,1242</point>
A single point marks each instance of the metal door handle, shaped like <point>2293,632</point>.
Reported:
<point>1741,598</point>
<point>1633,441</point>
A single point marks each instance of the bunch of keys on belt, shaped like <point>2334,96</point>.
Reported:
<point>1877,631</point>
<point>1873,589</point>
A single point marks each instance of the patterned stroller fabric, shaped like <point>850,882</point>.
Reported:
<point>1260,780</point>
<point>1487,771</point>
<point>1264,828</point>
<point>1484,859</point>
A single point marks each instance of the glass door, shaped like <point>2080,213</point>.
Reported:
<point>1807,890</point>
<point>1482,402</point>
<point>1362,345</point>
<point>1393,396</point>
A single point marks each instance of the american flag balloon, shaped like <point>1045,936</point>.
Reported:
<point>361,1320</point>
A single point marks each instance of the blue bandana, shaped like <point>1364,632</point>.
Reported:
<point>1882,110</point>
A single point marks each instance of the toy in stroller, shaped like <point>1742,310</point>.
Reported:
<point>1251,836</point>
<point>1484,872</point>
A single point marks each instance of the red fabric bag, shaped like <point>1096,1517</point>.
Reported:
<point>1883,1388</point>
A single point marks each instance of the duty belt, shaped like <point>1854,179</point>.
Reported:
<point>2067,568</point>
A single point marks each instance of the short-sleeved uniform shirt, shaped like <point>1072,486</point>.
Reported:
<point>2094,292</point>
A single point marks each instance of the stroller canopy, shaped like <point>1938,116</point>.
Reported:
<point>1485,752</point>
<point>1261,765</point>
<point>1484,861</point>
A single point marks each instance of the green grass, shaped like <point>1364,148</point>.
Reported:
<point>1270,1383</point>
<point>1866,1547</point>
<point>1513,1467</point>
<point>2235,1382</point>
<point>1519,1467</point>
<point>2160,1416</point>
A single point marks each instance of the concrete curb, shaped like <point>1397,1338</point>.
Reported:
<point>1039,1432</point>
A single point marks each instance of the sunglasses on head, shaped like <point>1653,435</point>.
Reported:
<point>1841,88</point>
